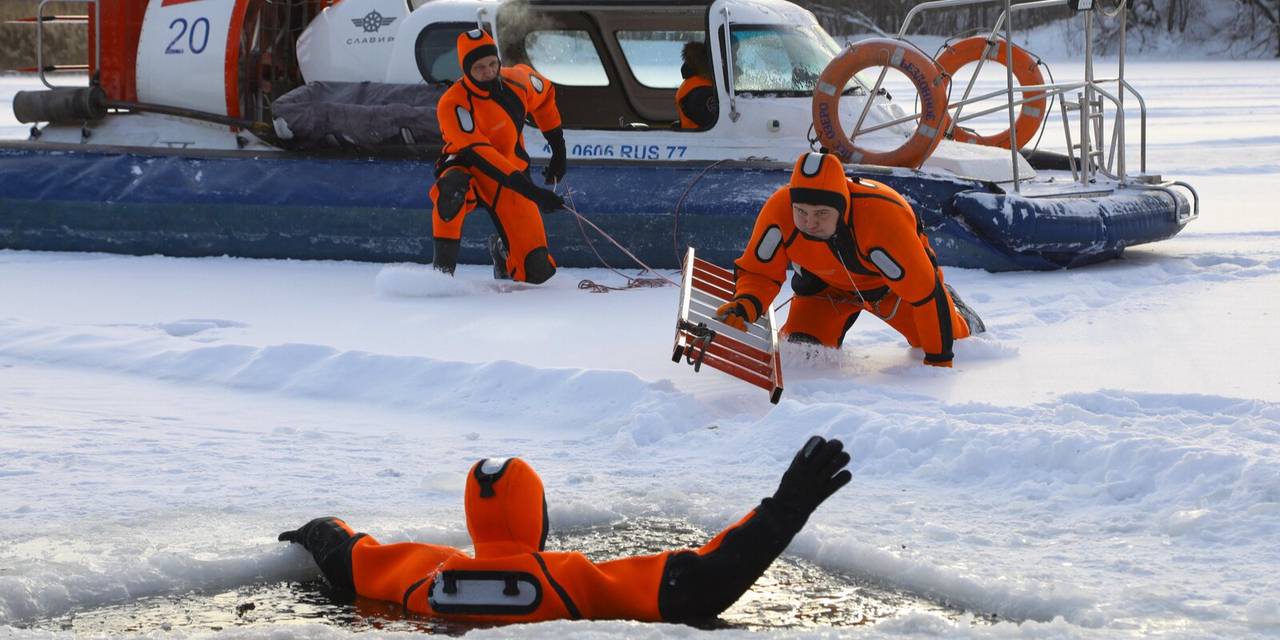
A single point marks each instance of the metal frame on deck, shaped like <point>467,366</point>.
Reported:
<point>40,21</point>
<point>1091,156</point>
<point>751,356</point>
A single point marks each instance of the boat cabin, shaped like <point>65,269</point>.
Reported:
<point>616,65</point>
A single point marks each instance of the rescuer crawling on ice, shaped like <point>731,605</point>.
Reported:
<point>857,246</point>
<point>484,162</point>
<point>513,578</point>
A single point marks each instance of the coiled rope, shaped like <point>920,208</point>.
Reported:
<point>632,282</point>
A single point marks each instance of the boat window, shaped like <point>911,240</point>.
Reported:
<point>436,51</point>
<point>654,56</point>
<point>785,59</point>
<point>567,57</point>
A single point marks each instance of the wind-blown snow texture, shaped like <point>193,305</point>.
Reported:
<point>1104,463</point>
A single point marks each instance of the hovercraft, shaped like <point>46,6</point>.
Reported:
<point>306,129</point>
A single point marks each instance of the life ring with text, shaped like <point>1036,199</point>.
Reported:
<point>930,82</point>
<point>1026,68</point>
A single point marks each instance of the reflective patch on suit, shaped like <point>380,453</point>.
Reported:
<point>485,592</point>
<point>493,466</point>
<point>487,473</point>
<point>464,119</point>
<point>812,164</point>
<point>769,243</point>
<point>475,34</point>
<point>537,83</point>
<point>886,264</point>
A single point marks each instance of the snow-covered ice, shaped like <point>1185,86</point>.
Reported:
<point>1105,462</point>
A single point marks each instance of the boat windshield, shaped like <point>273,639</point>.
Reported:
<point>779,59</point>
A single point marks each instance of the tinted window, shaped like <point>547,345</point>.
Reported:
<point>436,51</point>
<point>567,57</point>
<point>654,56</point>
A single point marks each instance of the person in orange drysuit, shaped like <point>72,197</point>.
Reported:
<point>857,245</point>
<point>484,162</point>
<point>513,578</point>
<point>696,99</point>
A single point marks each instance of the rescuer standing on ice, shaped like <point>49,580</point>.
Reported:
<point>484,162</point>
<point>513,578</point>
<point>857,246</point>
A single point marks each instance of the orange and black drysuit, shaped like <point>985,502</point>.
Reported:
<point>878,260</point>
<point>696,99</point>
<point>512,578</point>
<point>484,161</point>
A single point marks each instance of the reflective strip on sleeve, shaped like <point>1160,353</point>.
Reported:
<point>885,263</point>
<point>537,83</point>
<point>767,248</point>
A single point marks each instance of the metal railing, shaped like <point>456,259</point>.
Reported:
<point>40,22</point>
<point>1091,156</point>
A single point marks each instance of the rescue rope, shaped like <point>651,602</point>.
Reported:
<point>632,283</point>
<point>675,213</point>
<point>850,279</point>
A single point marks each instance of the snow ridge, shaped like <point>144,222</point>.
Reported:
<point>603,399</point>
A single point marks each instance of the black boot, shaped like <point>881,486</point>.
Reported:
<point>970,316</point>
<point>445,257</point>
<point>498,251</point>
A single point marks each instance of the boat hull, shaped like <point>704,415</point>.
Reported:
<point>275,205</point>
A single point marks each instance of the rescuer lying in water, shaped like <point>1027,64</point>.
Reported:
<point>512,578</point>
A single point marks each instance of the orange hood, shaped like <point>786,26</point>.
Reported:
<point>818,178</point>
<point>506,508</point>
<point>472,46</point>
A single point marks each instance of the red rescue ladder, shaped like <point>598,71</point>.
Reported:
<point>751,356</point>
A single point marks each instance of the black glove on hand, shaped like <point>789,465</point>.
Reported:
<point>329,541</point>
<point>555,170</point>
<point>319,534</point>
<point>815,473</point>
<point>547,200</point>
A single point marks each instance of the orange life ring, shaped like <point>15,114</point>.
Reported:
<point>930,82</point>
<point>1025,68</point>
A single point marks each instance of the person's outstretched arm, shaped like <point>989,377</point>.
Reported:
<point>702,584</point>
<point>359,564</point>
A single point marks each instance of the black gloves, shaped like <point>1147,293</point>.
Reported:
<point>320,533</point>
<point>546,199</point>
<point>815,473</point>
<point>555,170</point>
<point>329,540</point>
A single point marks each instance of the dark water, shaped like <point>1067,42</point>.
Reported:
<point>794,593</point>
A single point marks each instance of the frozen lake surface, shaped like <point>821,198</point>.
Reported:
<point>1104,463</point>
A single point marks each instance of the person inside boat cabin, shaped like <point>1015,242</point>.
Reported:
<point>484,161</point>
<point>696,99</point>
<point>512,578</point>
<point>857,246</point>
